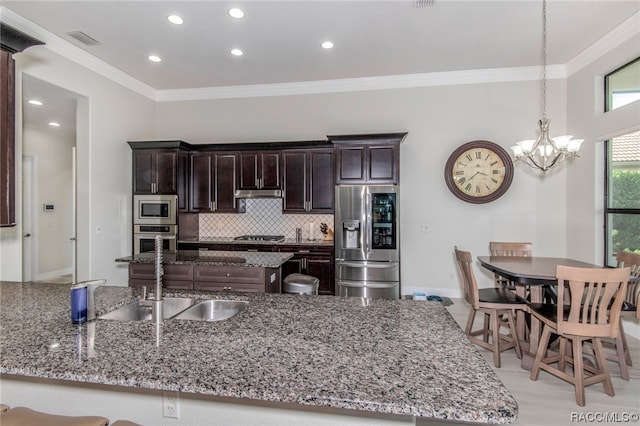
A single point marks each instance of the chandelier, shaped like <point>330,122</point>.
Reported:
<point>545,152</point>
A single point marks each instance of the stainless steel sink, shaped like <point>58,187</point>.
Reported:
<point>142,311</point>
<point>213,310</point>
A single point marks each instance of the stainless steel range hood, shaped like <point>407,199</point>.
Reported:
<point>258,193</point>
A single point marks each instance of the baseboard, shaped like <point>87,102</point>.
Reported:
<point>54,274</point>
<point>442,292</point>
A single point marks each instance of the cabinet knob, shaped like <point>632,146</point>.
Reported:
<point>228,274</point>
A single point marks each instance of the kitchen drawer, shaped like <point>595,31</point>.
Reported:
<point>171,284</point>
<point>147,271</point>
<point>315,250</point>
<point>219,286</point>
<point>368,271</point>
<point>229,275</point>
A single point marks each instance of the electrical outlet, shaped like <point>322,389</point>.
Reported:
<point>170,405</point>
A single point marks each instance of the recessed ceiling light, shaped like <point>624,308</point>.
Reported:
<point>54,124</point>
<point>154,58</point>
<point>236,13</point>
<point>237,52</point>
<point>327,45</point>
<point>35,102</point>
<point>175,19</point>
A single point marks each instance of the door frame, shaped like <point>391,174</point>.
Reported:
<point>30,259</point>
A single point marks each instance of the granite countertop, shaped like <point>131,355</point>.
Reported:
<point>214,257</point>
<point>388,356</point>
<point>230,240</point>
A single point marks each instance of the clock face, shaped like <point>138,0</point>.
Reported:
<point>479,172</point>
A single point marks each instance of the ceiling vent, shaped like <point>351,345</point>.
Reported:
<point>83,38</point>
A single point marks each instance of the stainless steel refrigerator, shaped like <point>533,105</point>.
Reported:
<point>367,241</point>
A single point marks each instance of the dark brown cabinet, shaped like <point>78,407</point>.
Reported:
<point>7,138</point>
<point>259,170</point>
<point>213,183</point>
<point>155,171</point>
<point>11,41</point>
<point>308,181</point>
<point>367,158</point>
<point>314,260</point>
<point>206,277</point>
<point>236,278</point>
<point>311,260</point>
<point>175,276</point>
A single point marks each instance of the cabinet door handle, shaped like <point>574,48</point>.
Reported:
<point>228,274</point>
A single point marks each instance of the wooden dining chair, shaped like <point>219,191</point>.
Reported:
<point>500,248</point>
<point>591,312</point>
<point>498,306</point>
<point>629,310</point>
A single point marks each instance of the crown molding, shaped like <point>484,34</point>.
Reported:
<point>614,38</point>
<point>75,54</point>
<point>611,40</point>
<point>450,78</point>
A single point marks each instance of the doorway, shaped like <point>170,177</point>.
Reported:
<point>49,181</point>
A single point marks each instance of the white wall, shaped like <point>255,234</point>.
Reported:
<point>109,115</point>
<point>54,228</point>
<point>438,119</point>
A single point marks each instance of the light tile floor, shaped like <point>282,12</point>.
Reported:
<point>550,400</point>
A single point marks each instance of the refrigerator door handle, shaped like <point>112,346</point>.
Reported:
<point>369,228</point>
<point>379,265</point>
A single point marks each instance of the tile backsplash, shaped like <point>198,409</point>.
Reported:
<point>263,216</point>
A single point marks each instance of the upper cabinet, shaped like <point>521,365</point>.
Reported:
<point>213,183</point>
<point>162,167</point>
<point>11,41</point>
<point>155,171</point>
<point>371,158</point>
<point>259,170</point>
<point>7,135</point>
<point>308,181</point>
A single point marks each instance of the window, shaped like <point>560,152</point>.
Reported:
<point>622,86</point>
<point>622,196</point>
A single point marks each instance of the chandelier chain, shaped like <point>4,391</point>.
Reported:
<point>544,59</point>
<point>545,152</point>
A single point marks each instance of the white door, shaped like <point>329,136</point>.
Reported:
<point>29,227</point>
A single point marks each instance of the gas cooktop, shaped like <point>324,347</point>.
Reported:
<point>273,238</point>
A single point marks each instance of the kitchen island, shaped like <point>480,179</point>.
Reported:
<point>215,270</point>
<point>286,359</point>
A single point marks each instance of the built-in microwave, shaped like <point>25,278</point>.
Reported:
<point>155,209</point>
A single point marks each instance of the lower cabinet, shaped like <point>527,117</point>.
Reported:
<point>315,261</point>
<point>207,277</point>
<point>236,278</point>
<point>174,276</point>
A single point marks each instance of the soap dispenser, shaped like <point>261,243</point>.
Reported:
<point>83,307</point>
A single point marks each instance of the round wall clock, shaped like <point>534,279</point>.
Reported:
<point>479,172</point>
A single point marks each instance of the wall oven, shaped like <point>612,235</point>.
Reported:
<point>155,209</point>
<point>144,238</point>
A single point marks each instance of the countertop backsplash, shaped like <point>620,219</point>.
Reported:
<point>263,216</point>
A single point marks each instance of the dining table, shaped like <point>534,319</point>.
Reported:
<point>531,275</point>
